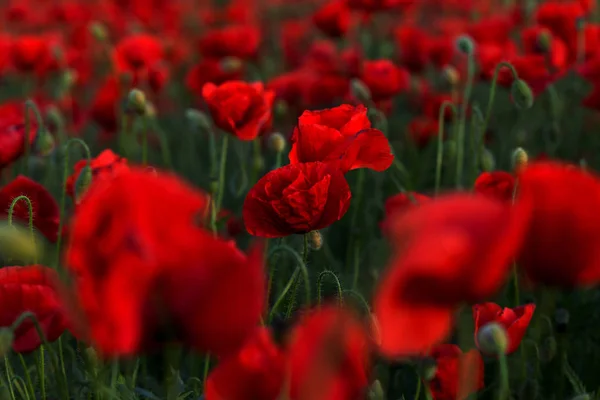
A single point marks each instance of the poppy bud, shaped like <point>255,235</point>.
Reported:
<point>83,182</point>
<point>451,75</point>
<point>198,119</point>
<point>136,102</point>
<point>450,149</point>
<point>44,143</point>
<point>492,338</point>
<point>521,94</point>
<point>488,162</point>
<point>427,368</point>
<point>561,318</point>
<point>230,64</point>
<point>530,389</point>
<point>98,31</point>
<point>315,240</point>
<point>376,391</point>
<point>465,44</point>
<point>150,110</point>
<point>277,142</point>
<point>54,116</point>
<point>281,108</point>
<point>360,91</point>
<point>258,163</point>
<point>544,41</point>
<point>6,341</point>
<point>213,185</point>
<point>548,349</point>
<point>519,159</point>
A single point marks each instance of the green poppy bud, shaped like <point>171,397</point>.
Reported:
<point>360,91</point>
<point>231,64</point>
<point>98,31</point>
<point>44,142</point>
<point>492,338</point>
<point>465,44</point>
<point>136,102</point>
<point>315,240</point>
<point>83,182</point>
<point>198,119</point>
<point>519,159</point>
<point>376,391</point>
<point>544,41</point>
<point>277,142</point>
<point>488,162</point>
<point>521,94</point>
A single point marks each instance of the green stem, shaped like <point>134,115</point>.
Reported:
<point>145,127</point>
<point>9,378</point>
<point>63,197</point>
<point>292,302</point>
<point>353,251</point>
<point>30,105</point>
<point>41,364</point>
<point>440,143</point>
<point>222,167</point>
<point>11,210</point>
<point>283,293</point>
<point>337,283</point>
<point>460,145</point>
<point>504,389</point>
<point>492,96</point>
<point>255,165</point>
<point>419,385</point>
<point>205,371</point>
<point>27,376</point>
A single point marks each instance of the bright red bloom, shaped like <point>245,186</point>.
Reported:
<point>137,53</point>
<point>562,245</point>
<point>450,362</point>
<point>240,108</point>
<point>106,165</point>
<point>296,198</point>
<point>45,209</point>
<point>499,185</point>
<point>384,79</point>
<point>241,41</point>
<point>561,18</point>
<point>12,132</point>
<point>340,135</point>
<point>333,18</point>
<point>514,320</point>
<point>450,250</point>
<point>32,288</point>
<point>30,53</point>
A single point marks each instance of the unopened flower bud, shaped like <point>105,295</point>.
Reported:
<point>520,159</point>
<point>44,142</point>
<point>544,41</point>
<point>451,75</point>
<point>488,162</point>
<point>492,339</point>
<point>258,163</point>
<point>561,318</point>
<point>376,391</point>
<point>277,142</point>
<point>150,110</point>
<point>315,240</point>
<point>281,108</point>
<point>230,64</point>
<point>136,102</point>
<point>98,30</point>
<point>198,119</point>
<point>83,182</point>
<point>548,349</point>
<point>465,44</point>
<point>427,368</point>
<point>360,91</point>
<point>521,94</point>
<point>6,340</point>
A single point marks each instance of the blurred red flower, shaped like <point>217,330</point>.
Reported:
<point>341,135</point>
<point>296,198</point>
<point>333,18</point>
<point>450,250</point>
<point>450,363</point>
<point>384,79</point>
<point>422,130</point>
<point>138,53</point>
<point>499,185</point>
<point>400,203</point>
<point>240,108</point>
<point>241,41</point>
<point>213,71</point>
<point>514,320</point>
<point>12,132</point>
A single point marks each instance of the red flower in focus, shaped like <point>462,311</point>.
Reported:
<point>32,288</point>
<point>333,18</point>
<point>258,371</point>
<point>514,320</point>
<point>138,53</point>
<point>340,135</point>
<point>498,185</point>
<point>12,132</point>
<point>296,198</point>
<point>213,71</point>
<point>451,250</point>
<point>241,41</point>
<point>422,130</point>
<point>562,245</point>
<point>240,108</point>
<point>45,209</point>
<point>450,362</point>
<point>106,165</point>
<point>384,79</point>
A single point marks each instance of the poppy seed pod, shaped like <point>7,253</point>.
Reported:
<point>315,240</point>
<point>83,182</point>
<point>521,94</point>
<point>136,102</point>
<point>6,340</point>
<point>98,31</point>
<point>520,158</point>
<point>493,339</point>
<point>277,142</point>
<point>360,91</point>
<point>198,119</point>
<point>465,44</point>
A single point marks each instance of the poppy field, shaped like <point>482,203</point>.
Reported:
<point>300,200</point>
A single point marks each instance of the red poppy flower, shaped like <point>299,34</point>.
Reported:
<point>45,209</point>
<point>241,41</point>
<point>413,43</point>
<point>562,245</point>
<point>329,353</point>
<point>514,320</point>
<point>533,39</point>
<point>450,362</point>
<point>499,185</point>
<point>12,132</point>
<point>400,203</point>
<point>212,71</point>
<point>29,53</point>
<point>450,250</point>
<point>384,79</point>
<point>104,106</point>
<point>240,108</point>
<point>106,165</point>
<point>138,52</point>
<point>33,289</point>
<point>258,371</point>
<point>333,18</point>
<point>340,135</point>
<point>296,198</point>
<point>422,130</point>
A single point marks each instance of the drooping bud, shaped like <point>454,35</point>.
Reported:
<point>230,64</point>
<point>376,391</point>
<point>360,91</point>
<point>44,142</point>
<point>488,162</point>
<point>198,119</point>
<point>544,41</point>
<point>520,159</point>
<point>315,240</point>
<point>98,31</point>
<point>548,349</point>
<point>277,142</point>
<point>465,44</point>
<point>6,341</point>
<point>521,94</point>
<point>136,102</point>
<point>492,339</point>
<point>83,182</point>
<point>561,318</point>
